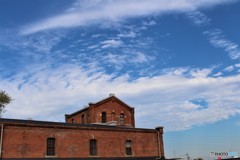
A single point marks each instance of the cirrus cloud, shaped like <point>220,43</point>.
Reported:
<point>68,88</point>
<point>84,13</point>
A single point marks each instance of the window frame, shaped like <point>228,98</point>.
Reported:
<point>104,117</point>
<point>128,149</point>
<point>51,146</point>
<point>93,147</point>
<point>121,119</point>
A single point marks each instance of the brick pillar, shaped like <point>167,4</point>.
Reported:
<point>132,118</point>
<point>160,142</point>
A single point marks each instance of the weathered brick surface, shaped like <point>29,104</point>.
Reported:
<point>29,141</point>
<point>113,108</point>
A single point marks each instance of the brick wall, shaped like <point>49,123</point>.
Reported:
<point>29,141</point>
<point>113,108</point>
<point>77,118</point>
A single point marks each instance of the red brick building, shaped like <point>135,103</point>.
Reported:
<point>102,130</point>
<point>109,111</point>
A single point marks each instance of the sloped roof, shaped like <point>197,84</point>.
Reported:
<point>98,103</point>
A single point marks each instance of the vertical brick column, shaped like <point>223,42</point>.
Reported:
<point>160,142</point>
<point>132,118</point>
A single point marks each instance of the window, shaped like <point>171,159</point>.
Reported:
<point>50,146</point>
<point>72,120</point>
<point>121,119</point>
<point>104,117</point>
<point>93,147</point>
<point>83,119</point>
<point>128,145</point>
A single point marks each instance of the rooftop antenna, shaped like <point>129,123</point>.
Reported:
<point>111,94</point>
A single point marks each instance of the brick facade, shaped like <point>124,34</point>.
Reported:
<point>112,106</point>
<point>29,139</point>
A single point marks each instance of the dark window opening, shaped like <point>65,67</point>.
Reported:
<point>121,119</point>
<point>128,145</point>
<point>72,120</point>
<point>104,117</point>
<point>50,146</point>
<point>93,147</point>
<point>83,119</point>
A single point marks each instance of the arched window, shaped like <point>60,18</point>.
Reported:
<point>82,118</point>
<point>128,145</point>
<point>93,147</point>
<point>50,146</point>
<point>121,120</point>
<point>104,117</point>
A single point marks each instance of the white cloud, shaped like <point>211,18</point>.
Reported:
<point>130,34</point>
<point>83,13</point>
<point>116,59</point>
<point>150,23</point>
<point>198,18</point>
<point>200,73</point>
<point>218,40</point>
<point>93,46</point>
<point>237,65</point>
<point>123,59</point>
<point>159,100</point>
<point>218,74</point>
<point>34,44</point>
<point>141,58</point>
<point>179,71</point>
<point>190,106</point>
<point>111,43</point>
<point>229,69</point>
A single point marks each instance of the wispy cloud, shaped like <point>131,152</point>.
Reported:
<point>198,18</point>
<point>216,36</point>
<point>237,65</point>
<point>217,74</point>
<point>67,88</point>
<point>124,50</point>
<point>150,23</point>
<point>130,34</point>
<point>200,73</point>
<point>83,13</point>
<point>121,60</point>
<point>63,74</point>
<point>111,43</point>
<point>229,69</point>
<point>218,40</point>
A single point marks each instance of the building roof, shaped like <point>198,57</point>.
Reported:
<point>98,103</point>
<point>49,124</point>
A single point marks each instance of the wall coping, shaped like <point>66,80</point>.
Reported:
<point>48,124</point>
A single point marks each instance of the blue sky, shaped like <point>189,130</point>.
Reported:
<point>175,61</point>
